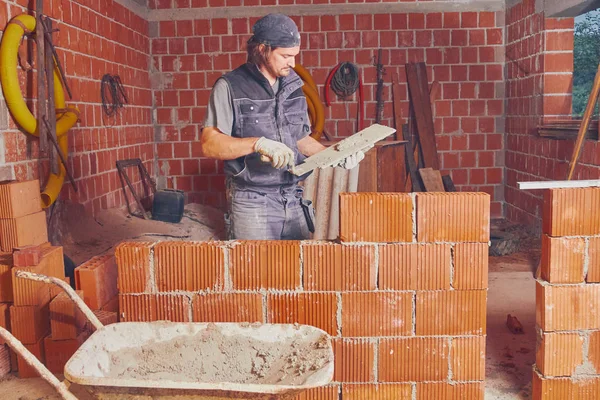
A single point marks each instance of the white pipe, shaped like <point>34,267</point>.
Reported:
<point>323,203</point>
<point>340,179</point>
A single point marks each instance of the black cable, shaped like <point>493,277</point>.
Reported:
<point>113,94</point>
<point>345,80</point>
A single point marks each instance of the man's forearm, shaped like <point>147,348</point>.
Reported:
<point>309,146</point>
<point>215,144</point>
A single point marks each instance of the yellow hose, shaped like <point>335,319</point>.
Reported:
<point>316,111</point>
<point>9,47</point>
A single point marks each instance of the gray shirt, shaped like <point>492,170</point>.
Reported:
<point>219,113</point>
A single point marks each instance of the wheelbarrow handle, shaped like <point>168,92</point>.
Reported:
<point>89,314</point>
<point>30,359</point>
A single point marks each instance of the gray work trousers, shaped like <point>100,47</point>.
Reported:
<point>266,213</point>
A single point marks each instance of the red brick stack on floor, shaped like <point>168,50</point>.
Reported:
<point>568,297</point>
<point>403,294</point>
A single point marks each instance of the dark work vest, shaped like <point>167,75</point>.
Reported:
<point>257,111</point>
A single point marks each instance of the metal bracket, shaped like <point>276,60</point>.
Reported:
<point>146,182</point>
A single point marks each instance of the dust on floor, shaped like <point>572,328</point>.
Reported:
<point>83,236</point>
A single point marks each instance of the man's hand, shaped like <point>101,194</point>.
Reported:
<point>351,161</point>
<point>279,154</point>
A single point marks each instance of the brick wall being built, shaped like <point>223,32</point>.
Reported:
<point>568,297</point>
<point>405,303</point>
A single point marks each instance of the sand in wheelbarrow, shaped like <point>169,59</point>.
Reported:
<point>212,357</point>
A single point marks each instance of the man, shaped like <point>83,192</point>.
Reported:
<point>257,122</point>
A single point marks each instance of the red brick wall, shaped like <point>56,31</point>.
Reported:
<point>539,57</point>
<point>464,52</point>
<point>96,37</point>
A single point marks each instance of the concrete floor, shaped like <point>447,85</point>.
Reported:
<point>509,357</point>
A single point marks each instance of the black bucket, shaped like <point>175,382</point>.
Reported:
<point>168,205</point>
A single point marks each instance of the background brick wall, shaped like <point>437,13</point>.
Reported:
<point>539,61</point>
<point>96,37</point>
<point>407,316</point>
<point>464,52</point>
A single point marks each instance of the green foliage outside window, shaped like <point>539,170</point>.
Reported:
<point>586,55</point>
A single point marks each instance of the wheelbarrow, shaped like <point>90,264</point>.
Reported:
<point>113,362</point>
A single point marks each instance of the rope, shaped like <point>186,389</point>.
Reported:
<point>345,80</point>
<point>113,94</point>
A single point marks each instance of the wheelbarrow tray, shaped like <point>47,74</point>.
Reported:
<point>89,366</point>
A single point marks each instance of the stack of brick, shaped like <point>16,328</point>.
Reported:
<point>568,297</point>
<point>30,312</point>
<point>67,327</point>
<point>97,278</point>
<point>403,295</point>
<point>22,220</point>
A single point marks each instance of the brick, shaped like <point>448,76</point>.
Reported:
<point>174,308</point>
<point>27,256</point>
<point>97,278</point>
<point>467,358</point>
<point>106,317</point>
<point>470,266</point>
<point>565,388</point>
<point>4,360</point>
<point>6,288</point>
<point>563,259</point>
<point>354,360</point>
<point>451,391</point>
<point>375,217</point>
<point>112,305</point>
<point>415,359</point>
<point>29,323</point>
<point>593,274</point>
<point>329,392</point>
<point>58,352</point>
<point>453,217</point>
<point>137,308</point>
<point>398,391</point>
<point>265,265</point>
<point>66,320</point>
<point>414,266</point>
<point>30,293</point>
<point>189,266</point>
<point>457,312</point>
<point>23,231</point>
<point>228,307</point>
<point>566,212</point>
<point>560,308</point>
<point>37,350</point>
<point>377,314</point>
<point>559,354</point>
<point>334,267</point>
<point>317,309</point>
<point>594,350</point>
<point>133,266</point>
<point>4,318</point>
<point>18,199</point>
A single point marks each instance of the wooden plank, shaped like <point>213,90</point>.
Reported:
<point>417,185</point>
<point>448,183</point>
<point>362,140</point>
<point>52,153</point>
<point>416,74</point>
<point>396,156</point>
<point>432,180</point>
<point>587,116</point>
<point>367,174</point>
<point>535,185</point>
<point>391,168</point>
<point>41,75</point>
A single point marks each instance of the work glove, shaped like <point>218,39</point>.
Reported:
<point>279,155</point>
<point>351,161</point>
